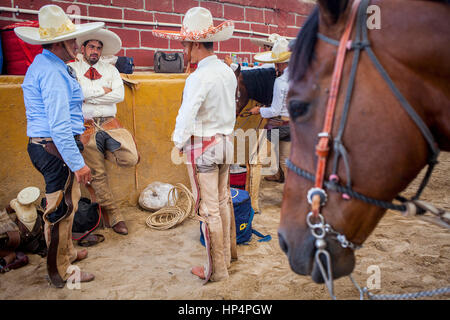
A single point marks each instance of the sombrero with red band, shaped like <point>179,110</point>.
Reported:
<point>198,27</point>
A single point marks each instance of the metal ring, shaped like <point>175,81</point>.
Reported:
<point>316,235</point>
<point>310,224</point>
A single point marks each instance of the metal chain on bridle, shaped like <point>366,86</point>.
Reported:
<point>317,196</point>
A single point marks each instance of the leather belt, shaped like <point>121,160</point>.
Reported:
<point>43,140</point>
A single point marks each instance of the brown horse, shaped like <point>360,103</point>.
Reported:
<point>383,148</point>
<point>256,84</point>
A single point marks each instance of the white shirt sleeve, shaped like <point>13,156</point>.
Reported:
<point>193,96</point>
<point>279,97</point>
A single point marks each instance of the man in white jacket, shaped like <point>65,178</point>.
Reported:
<point>104,136</point>
<point>203,132</point>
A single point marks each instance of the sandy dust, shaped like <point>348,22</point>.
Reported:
<point>148,264</point>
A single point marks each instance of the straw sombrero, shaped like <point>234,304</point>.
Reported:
<point>111,41</point>
<point>198,27</point>
<point>54,26</point>
<point>268,42</point>
<point>280,53</point>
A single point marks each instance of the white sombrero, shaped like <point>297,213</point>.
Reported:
<point>28,195</point>
<point>268,42</point>
<point>111,41</point>
<point>198,27</point>
<point>280,53</point>
<point>54,26</point>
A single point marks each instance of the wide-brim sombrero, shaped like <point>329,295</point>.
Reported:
<point>111,41</point>
<point>54,26</point>
<point>198,27</point>
<point>280,53</point>
<point>266,42</point>
<point>267,57</point>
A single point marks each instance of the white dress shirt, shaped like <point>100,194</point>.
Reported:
<point>96,102</point>
<point>208,106</point>
<point>278,106</point>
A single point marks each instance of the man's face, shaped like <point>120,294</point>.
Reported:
<point>71,48</point>
<point>190,51</point>
<point>267,47</point>
<point>92,51</point>
<point>279,67</point>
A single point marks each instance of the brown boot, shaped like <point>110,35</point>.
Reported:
<point>120,228</point>
<point>278,177</point>
<point>81,255</point>
<point>113,219</point>
<point>86,277</point>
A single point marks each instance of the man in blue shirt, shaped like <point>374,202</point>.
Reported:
<point>53,100</point>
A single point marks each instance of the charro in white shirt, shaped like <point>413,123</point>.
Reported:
<point>96,102</point>
<point>208,106</point>
<point>278,106</point>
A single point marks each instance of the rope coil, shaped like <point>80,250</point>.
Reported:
<point>183,206</point>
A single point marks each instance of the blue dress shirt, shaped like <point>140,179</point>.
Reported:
<point>53,100</point>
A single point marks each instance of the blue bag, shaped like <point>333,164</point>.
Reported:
<point>125,65</point>
<point>243,214</point>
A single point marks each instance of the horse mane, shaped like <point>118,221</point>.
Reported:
<point>259,83</point>
<point>303,51</point>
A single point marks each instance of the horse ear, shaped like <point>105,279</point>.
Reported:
<point>330,10</point>
<point>237,72</point>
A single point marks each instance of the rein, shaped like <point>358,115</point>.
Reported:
<point>317,196</point>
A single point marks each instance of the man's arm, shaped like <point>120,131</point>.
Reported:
<point>55,90</point>
<point>193,96</point>
<point>112,95</point>
<point>277,101</point>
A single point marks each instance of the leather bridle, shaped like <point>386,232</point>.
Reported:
<point>317,196</point>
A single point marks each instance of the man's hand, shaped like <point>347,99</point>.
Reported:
<point>255,110</point>
<point>227,60</point>
<point>83,175</point>
<point>107,90</point>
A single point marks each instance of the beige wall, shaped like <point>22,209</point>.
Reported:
<point>152,120</point>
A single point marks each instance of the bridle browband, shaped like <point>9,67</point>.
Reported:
<point>317,195</point>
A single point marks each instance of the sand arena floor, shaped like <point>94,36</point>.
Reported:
<point>147,264</point>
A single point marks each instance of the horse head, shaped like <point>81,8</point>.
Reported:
<point>380,148</point>
<point>242,97</point>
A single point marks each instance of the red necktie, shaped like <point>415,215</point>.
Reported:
<point>92,74</point>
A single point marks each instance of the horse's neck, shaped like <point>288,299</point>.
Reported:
<point>259,84</point>
<point>418,40</point>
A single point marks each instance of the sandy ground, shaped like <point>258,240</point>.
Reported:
<point>147,264</point>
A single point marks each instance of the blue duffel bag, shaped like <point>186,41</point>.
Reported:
<point>243,214</point>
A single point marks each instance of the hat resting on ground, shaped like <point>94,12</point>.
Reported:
<point>198,27</point>
<point>111,41</point>
<point>280,53</point>
<point>266,42</point>
<point>54,26</point>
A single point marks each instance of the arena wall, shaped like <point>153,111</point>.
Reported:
<point>284,17</point>
<point>151,119</point>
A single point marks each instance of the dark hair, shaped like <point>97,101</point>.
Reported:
<point>47,46</point>
<point>87,41</point>
<point>303,49</point>
<point>208,45</point>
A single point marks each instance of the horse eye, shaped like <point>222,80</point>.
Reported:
<point>297,108</point>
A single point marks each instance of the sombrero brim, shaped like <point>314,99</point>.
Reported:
<point>266,57</point>
<point>111,41</point>
<point>31,35</point>
<point>28,195</point>
<point>222,32</point>
<point>261,42</point>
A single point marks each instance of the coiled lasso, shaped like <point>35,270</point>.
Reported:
<point>168,217</point>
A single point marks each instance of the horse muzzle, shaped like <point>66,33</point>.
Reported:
<point>301,252</point>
